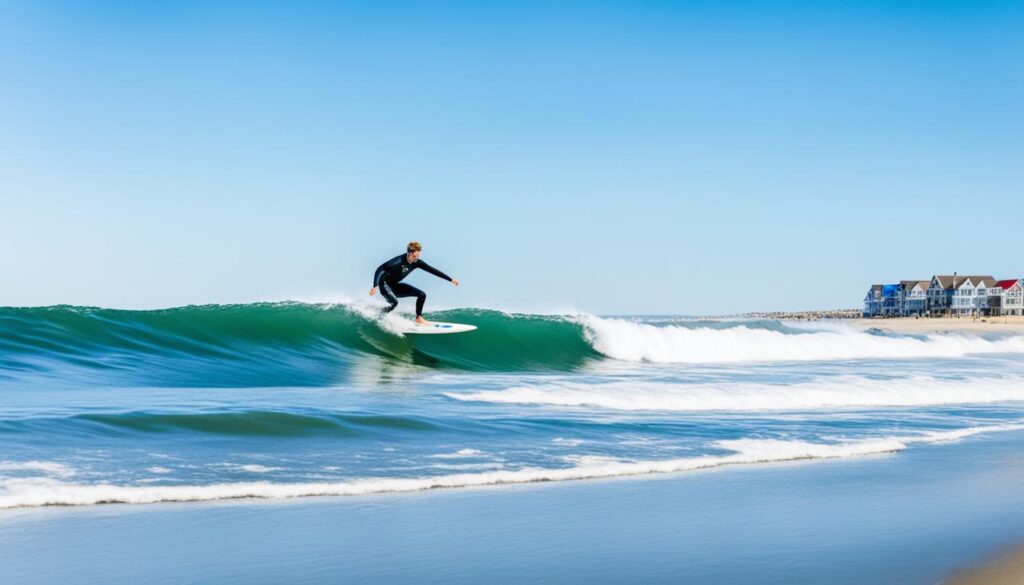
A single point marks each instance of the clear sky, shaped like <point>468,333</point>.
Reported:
<point>612,157</point>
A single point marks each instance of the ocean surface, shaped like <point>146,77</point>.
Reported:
<point>283,400</point>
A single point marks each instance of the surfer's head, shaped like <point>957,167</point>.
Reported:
<point>413,250</point>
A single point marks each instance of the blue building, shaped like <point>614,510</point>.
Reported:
<point>891,295</point>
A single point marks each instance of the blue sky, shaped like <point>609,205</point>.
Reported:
<point>612,157</point>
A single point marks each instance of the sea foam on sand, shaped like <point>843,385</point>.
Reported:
<point>52,491</point>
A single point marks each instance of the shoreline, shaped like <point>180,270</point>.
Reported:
<point>916,518</point>
<point>942,324</point>
<point>1007,569</point>
<point>920,325</point>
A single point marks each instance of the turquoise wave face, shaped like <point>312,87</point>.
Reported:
<point>299,344</point>
<point>270,344</point>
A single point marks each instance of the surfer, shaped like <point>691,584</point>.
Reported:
<point>389,275</point>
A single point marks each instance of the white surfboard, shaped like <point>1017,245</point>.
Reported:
<point>436,328</point>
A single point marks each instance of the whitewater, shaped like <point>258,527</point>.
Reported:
<point>282,400</point>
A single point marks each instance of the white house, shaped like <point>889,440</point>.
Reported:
<point>913,297</point>
<point>987,296</point>
<point>970,295</point>
<point>1012,298</point>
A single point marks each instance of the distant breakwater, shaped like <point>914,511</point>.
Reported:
<point>806,315</point>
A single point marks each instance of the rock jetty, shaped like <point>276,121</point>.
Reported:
<point>807,315</point>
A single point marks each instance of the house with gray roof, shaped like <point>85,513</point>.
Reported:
<point>970,295</point>
<point>873,301</point>
<point>940,293</point>
<point>913,297</point>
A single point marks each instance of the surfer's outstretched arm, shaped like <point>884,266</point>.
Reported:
<point>436,272</point>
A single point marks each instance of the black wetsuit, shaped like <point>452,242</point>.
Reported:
<point>389,277</point>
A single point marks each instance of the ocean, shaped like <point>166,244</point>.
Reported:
<point>287,400</point>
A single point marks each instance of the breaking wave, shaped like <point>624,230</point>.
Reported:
<point>302,344</point>
<point>695,344</point>
<point>835,392</point>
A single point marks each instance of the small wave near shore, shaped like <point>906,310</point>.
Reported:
<point>825,393</point>
<point>53,489</point>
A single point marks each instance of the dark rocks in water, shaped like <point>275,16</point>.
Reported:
<point>807,315</point>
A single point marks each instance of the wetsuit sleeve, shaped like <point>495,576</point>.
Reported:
<point>434,271</point>
<point>381,271</point>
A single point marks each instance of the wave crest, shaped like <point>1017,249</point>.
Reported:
<point>300,344</point>
<point>632,341</point>
<point>837,392</point>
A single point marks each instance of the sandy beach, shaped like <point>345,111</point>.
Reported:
<point>943,324</point>
<point>914,518</point>
<point>1005,570</point>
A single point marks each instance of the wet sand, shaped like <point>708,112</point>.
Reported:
<point>913,518</point>
<point>1005,570</point>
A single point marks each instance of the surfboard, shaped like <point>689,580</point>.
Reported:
<point>435,328</point>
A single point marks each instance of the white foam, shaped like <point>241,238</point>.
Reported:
<point>466,466</point>
<point>639,342</point>
<point>30,492</point>
<point>392,322</point>
<point>51,468</point>
<point>567,442</point>
<point>252,468</point>
<point>459,454</point>
<point>837,392</point>
<point>590,460</point>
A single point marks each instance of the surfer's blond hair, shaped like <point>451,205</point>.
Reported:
<point>414,246</point>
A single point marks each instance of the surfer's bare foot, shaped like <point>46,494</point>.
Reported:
<point>421,321</point>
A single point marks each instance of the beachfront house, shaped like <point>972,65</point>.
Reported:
<point>940,293</point>
<point>891,300</point>
<point>945,294</point>
<point>913,297</point>
<point>988,296</point>
<point>873,301</point>
<point>962,301</point>
<point>970,295</point>
<point>1012,297</point>
<point>995,298</point>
